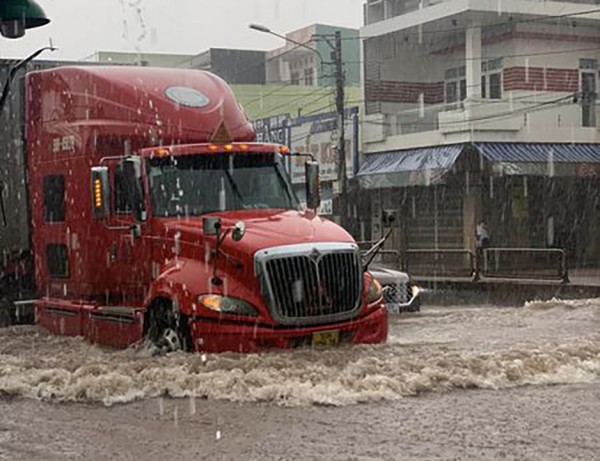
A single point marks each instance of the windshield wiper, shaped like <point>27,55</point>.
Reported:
<point>369,256</point>
<point>234,187</point>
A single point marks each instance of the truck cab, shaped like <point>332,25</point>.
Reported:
<point>155,217</point>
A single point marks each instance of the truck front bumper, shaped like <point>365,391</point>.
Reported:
<point>221,337</point>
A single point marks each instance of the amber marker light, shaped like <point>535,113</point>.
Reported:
<point>162,152</point>
<point>98,193</point>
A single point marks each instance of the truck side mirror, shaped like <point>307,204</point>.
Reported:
<point>313,186</point>
<point>238,231</point>
<point>133,171</point>
<point>100,192</point>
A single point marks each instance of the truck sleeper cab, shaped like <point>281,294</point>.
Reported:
<point>196,245</point>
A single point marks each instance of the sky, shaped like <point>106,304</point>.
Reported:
<point>80,28</point>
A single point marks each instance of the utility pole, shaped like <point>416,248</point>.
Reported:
<point>340,80</point>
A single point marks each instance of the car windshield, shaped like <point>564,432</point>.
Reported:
<point>199,184</point>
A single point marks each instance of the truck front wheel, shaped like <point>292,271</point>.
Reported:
<point>164,329</point>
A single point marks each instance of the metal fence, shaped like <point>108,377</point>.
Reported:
<point>525,263</point>
<point>448,263</point>
<point>428,263</point>
<point>507,263</point>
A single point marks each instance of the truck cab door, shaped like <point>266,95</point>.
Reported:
<point>129,251</point>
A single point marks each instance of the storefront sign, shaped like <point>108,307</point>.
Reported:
<point>273,130</point>
<point>319,137</point>
<point>588,169</point>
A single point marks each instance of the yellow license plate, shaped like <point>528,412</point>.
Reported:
<point>326,338</point>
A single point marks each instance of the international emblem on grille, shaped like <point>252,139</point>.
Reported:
<point>315,255</point>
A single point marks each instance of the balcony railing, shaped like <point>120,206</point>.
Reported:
<point>531,114</point>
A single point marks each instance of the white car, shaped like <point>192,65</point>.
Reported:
<point>399,292</point>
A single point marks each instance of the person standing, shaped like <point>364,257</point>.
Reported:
<point>482,241</point>
<point>482,235</point>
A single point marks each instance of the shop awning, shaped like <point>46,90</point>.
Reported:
<point>528,159</point>
<point>413,167</point>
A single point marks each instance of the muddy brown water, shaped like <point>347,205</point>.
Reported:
<point>451,382</point>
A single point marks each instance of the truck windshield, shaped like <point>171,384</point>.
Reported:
<point>198,184</point>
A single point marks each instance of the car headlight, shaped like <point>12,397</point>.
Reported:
<point>227,305</point>
<point>415,291</point>
<point>374,292</point>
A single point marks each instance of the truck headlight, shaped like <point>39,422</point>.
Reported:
<point>374,292</point>
<point>227,305</point>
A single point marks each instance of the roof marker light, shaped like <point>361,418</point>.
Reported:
<point>213,148</point>
<point>229,147</point>
<point>284,150</point>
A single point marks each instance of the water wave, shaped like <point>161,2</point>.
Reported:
<point>36,365</point>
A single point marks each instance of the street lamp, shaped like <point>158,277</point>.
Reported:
<point>266,30</point>
<point>18,15</point>
<point>12,72</point>
<point>336,47</point>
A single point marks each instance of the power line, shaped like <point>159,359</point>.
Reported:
<point>487,58</point>
<point>526,110</point>
<point>286,84</point>
<point>439,31</point>
<point>492,58</point>
<point>288,103</point>
<point>520,99</point>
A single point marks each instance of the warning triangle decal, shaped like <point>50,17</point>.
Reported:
<point>221,135</point>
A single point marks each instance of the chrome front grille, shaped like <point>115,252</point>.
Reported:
<point>311,283</point>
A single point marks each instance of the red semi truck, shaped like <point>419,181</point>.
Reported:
<point>154,216</point>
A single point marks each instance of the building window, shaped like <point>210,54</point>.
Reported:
<point>54,198</point>
<point>309,77</point>
<point>496,86</point>
<point>57,260</point>
<point>455,86</point>
<point>483,87</point>
<point>588,69</point>
<point>451,92</point>
<point>588,64</point>
<point>463,89</point>
<point>295,78</point>
<point>491,79</point>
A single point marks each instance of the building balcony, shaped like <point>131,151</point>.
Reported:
<point>541,121</point>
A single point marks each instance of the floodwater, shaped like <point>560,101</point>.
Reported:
<point>452,382</point>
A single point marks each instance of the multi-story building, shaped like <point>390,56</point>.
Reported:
<point>484,109</point>
<point>245,67</point>
<point>138,58</point>
<point>301,66</point>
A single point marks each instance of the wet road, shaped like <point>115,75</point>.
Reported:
<point>452,383</point>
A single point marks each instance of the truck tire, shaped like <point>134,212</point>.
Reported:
<point>164,329</point>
